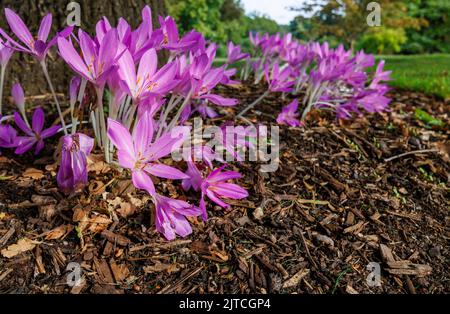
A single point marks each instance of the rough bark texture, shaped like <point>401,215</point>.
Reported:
<point>25,69</point>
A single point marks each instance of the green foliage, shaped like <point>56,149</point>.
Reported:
<point>262,23</point>
<point>382,40</point>
<point>203,15</point>
<point>220,21</point>
<point>428,119</point>
<point>434,36</point>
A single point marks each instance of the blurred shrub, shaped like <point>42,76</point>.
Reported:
<point>382,40</point>
<point>413,48</point>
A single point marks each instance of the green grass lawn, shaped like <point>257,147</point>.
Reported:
<point>426,73</point>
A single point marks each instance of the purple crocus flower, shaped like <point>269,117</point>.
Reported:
<point>18,97</point>
<point>147,81</point>
<point>72,173</point>
<point>170,39</point>
<point>215,187</point>
<point>8,136</point>
<point>35,135</point>
<point>194,179</point>
<point>279,80</point>
<point>37,47</point>
<point>171,216</point>
<point>202,87</point>
<point>5,53</point>
<point>206,111</point>
<point>98,61</point>
<point>289,114</point>
<point>380,75</point>
<point>235,54</point>
<point>137,152</point>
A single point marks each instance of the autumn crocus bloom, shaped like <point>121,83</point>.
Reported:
<point>8,136</point>
<point>137,152</point>
<point>289,114</point>
<point>170,38</point>
<point>98,60</point>
<point>19,98</point>
<point>34,135</point>
<point>235,54</point>
<point>37,47</point>
<point>72,173</point>
<point>215,187</point>
<point>147,81</point>
<point>201,88</point>
<point>5,53</point>
<point>171,216</point>
<point>380,75</point>
<point>279,79</point>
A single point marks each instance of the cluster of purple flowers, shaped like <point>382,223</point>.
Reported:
<point>148,104</point>
<point>325,78</point>
<point>123,62</point>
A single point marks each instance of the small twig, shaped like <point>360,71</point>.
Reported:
<point>422,151</point>
<point>169,288</point>
<point>253,104</point>
<point>312,261</point>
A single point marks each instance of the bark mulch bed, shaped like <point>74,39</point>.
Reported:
<point>345,195</point>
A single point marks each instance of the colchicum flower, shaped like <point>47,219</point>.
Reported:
<point>215,187</point>
<point>137,152</point>
<point>72,173</point>
<point>37,47</point>
<point>235,54</point>
<point>289,114</point>
<point>8,136</point>
<point>171,216</point>
<point>35,135</point>
<point>98,61</point>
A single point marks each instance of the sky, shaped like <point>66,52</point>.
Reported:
<point>276,9</point>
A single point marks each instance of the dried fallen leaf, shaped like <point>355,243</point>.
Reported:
<point>99,223</point>
<point>158,267</point>
<point>23,245</point>
<point>122,207</point>
<point>97,188</point>
<point>295,280</point>
<point>59,232</point>
<point>33,173</point>
<point>97,164</point>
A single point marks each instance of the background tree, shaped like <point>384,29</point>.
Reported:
<point>435,35</point>
<point>345,22</point>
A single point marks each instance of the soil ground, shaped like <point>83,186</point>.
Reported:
<point>344,196</point>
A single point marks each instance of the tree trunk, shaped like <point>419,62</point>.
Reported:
<point>27,71</point>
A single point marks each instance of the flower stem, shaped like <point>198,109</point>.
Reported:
<point>180,110</point>
<point>253,104</point>
<point>79,100</point>
<point>58,107</point>
<point>172,103</point>
<point>102,123</point>
<point>2,81</point>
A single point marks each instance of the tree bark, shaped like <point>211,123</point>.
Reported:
<point>26,70</point>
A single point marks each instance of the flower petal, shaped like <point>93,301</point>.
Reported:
<point>120,136</point>
<point>44,28</point>
<point>167,172</point>
<point>19,28</point>
<point>22,125</point>
<point>142,181</point>
<point>37,123</point>
<point>50,131</point>
<point>71,56</point>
